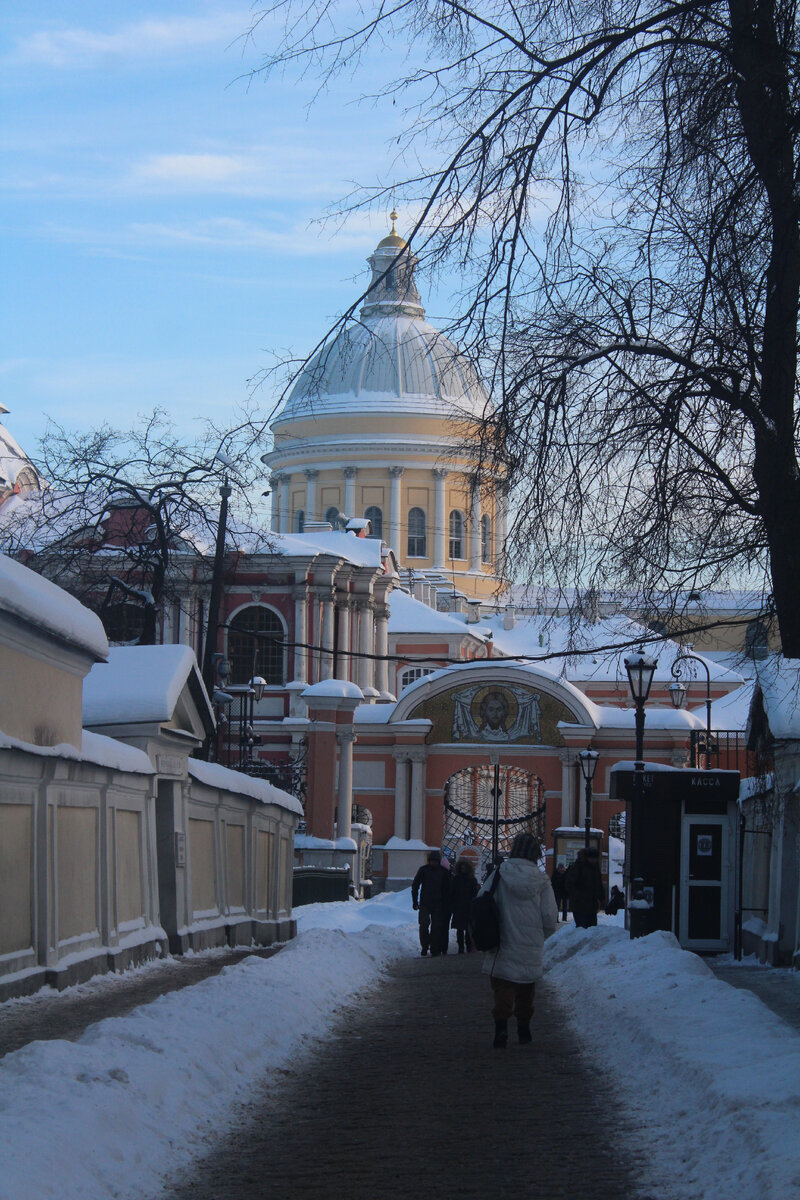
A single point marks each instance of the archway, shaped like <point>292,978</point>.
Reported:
<point>468,811</point>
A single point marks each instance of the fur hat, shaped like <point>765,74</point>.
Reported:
<point>525,845</point>
<point>434,856</point>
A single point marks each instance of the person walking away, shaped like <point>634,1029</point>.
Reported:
<point>430,895</point>
<point>463,888</point>
<point>584,887</point>
<point>559,890</point>
<point>528,915</point>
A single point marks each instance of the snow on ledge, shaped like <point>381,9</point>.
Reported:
<point>333,689</point>
<point>40,603</point>
<point>95,749</point>
<point>225,780</point>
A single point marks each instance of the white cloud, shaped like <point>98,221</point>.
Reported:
<point>75,48</point>
<point>194,169</point>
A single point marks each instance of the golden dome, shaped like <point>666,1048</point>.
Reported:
<point>393,239</point>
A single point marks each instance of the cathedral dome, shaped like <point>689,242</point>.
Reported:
<point>391,360</point>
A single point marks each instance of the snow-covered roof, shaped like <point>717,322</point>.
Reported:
<point>96,749</point>
<point>216,776</point>
<point>42,604</point>
<point>408,615</point>
<point>731,711</point>
<point>574,648</point>
<point>779,682</point>
<point>140,683</point>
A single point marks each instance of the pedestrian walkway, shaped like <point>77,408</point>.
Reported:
<point>409,1100</point>
<point>777,987</point>
<point>48,1015</point>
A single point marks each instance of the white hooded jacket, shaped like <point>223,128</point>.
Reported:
<point>528,915</point>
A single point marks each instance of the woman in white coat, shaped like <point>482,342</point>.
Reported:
<point>528,914</point>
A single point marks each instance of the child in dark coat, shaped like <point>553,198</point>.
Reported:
<point>463,888</point>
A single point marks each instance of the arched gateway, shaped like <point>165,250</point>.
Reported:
<point>469,810</point>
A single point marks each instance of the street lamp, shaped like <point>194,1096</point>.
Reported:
<point>678,691</point>
<point>258,683</point>
<point>588,764</point>
<point>640,669</point>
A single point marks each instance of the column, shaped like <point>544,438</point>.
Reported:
<point>401,793</point>
<point>286,504</point>
<point>350,491</point>
<point>300,632</point>
<point>439,520</point>
<point>395,525</point>
<point>418,763</point>
<point>344,791</point>
<point>500,519</point>
<point>475,529</point>
<point>275,523</point>
<point>343,609</point>
<point>327,634</point>
<point>311,494</point>
<point>366,644</point>
<point>382,647</point>
<point>568,814</point>
<point>314,638</point>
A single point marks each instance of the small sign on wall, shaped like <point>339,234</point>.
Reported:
<point>180,848</point>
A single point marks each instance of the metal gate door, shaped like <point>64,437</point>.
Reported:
<point>469,810</point>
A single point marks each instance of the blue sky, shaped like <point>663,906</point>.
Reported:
<point>158,212</point>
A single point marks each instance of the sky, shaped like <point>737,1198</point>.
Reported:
<point>160,209</point>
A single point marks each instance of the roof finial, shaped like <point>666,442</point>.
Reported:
<point>393,216</point>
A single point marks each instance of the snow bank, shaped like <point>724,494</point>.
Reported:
<point>134,1098</point>
<point>710,1072</point>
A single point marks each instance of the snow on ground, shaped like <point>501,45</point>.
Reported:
<point>133,1099</point>
<point>707,1071</point>
<point>712,1074</point>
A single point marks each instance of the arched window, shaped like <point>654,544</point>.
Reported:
<point>417,540</point>
<point>332,517</point>
<point>486,538</point>
<point>255,645</point>
<point>412,674</point>
<point>299,521</point>
<point>456,534</point>
<point>375,517</point>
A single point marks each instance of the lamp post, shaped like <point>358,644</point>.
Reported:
<point>678,692</point>
<point>640,669</point>
<point>588,764</point>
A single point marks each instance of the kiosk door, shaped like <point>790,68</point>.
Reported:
<point>706,883</point>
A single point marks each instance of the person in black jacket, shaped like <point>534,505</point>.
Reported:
<point>430,895</point>
<point>463,888</point>
<point>584,886</point>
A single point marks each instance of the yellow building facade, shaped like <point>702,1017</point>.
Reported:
<point>381,426</point>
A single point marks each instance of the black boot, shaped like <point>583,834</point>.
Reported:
<point>524,1032</point>
<point>500,1034</point>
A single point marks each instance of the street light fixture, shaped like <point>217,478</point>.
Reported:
<point>640,669</point>
<point>678,692</point>
<point>588,764</point>
<point>258,683</point>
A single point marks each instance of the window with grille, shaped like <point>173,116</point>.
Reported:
<point>332,517</point>
<point>417,539</point>
<point>255,645</point>
<point>456,534</point>
<point>299,521</point>
<point>486,538</point>
<point>413,674</point>
<point>375,517</point>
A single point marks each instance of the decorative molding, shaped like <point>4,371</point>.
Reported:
<point>350,472</point>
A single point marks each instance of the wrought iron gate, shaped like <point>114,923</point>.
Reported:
<point>469,809</point>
